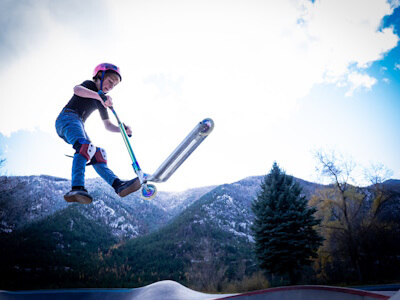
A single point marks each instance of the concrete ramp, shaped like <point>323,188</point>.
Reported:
<point>162,290</point>
<point>171,290</point>
<point>396,296</point>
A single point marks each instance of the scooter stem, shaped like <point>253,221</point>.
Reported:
<point>121,126</point>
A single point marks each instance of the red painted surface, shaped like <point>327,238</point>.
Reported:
<point>314,287</point>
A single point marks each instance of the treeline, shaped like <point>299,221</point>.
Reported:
<point>197,254</point>
<point>352,236</point>
<point>60,251</point>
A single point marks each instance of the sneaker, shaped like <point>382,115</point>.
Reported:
<point>79,195</point>
<point>128,187</point>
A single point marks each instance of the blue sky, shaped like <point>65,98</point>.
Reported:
<point>281,79</point>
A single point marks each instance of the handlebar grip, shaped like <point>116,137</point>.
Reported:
<point>130,135</point>
<point>102,95</point>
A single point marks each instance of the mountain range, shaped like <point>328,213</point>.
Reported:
<point>199,236</point>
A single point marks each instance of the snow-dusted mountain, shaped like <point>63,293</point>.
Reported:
<point>31,198</point>
<point>192,236</point>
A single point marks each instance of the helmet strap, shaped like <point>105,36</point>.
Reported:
<point>102,79</point>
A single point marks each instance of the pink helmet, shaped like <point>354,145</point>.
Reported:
<point>106,67</point>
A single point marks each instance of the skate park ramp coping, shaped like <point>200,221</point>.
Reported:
<point>171,290</point>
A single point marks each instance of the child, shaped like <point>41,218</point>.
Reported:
<point>70,127</point>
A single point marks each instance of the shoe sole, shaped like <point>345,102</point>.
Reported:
<point>78,198</point>
<point>130,189</point>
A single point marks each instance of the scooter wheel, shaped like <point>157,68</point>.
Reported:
<point>149,191</point>
<point>207,126</point>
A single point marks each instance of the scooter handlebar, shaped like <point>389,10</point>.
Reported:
<point>102,95</point>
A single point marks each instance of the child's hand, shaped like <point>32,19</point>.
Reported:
<point>108,102</point>
<point>128,130</point>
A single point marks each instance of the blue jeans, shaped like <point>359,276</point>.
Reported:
<point>71,128</point>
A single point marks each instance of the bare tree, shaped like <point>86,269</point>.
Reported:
<point>207,269</point>
<point>2,161</point>
<point>347,210</point>
<point>377,174</point>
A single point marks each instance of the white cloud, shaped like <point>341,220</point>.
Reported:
<point>5,150</point>
<point>358,81</point>
<point>345,34</point>
<point>49,58</point>
<point>252,50</point>
<point>238,62</point>
<point>394,3</point>
<point>228,55</point>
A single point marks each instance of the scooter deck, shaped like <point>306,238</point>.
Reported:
<point>182,152</point>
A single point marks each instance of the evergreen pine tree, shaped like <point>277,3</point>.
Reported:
<point>285,238</point>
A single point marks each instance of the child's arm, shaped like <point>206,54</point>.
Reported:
<point>111,127</point>
<point>83,92</point>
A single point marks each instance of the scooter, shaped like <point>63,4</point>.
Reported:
<point>173,162</point>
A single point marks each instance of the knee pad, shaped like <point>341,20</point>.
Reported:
<point>85,148</point>
<point>99,157</point>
